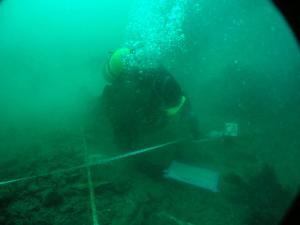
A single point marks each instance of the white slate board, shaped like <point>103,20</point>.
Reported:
<point>200,177</point>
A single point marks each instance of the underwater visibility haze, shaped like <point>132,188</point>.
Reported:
<point>237,64</point>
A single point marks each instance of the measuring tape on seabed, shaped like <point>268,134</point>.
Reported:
<point>105,160</point>
<point>91,186</point>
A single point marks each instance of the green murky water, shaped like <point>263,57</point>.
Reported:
<point>238,62</point>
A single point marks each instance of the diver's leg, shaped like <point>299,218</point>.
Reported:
<point>193,124</point>
<point>125,136</point>
<point>190,118</point>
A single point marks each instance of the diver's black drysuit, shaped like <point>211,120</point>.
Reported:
<point>136,103</point>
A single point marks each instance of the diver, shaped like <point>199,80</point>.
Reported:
<point>139,101</point>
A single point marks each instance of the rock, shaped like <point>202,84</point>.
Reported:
<point>53,199</point>
<point>23,206</point>
<point>42,222</point>
<point>6,197</point>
